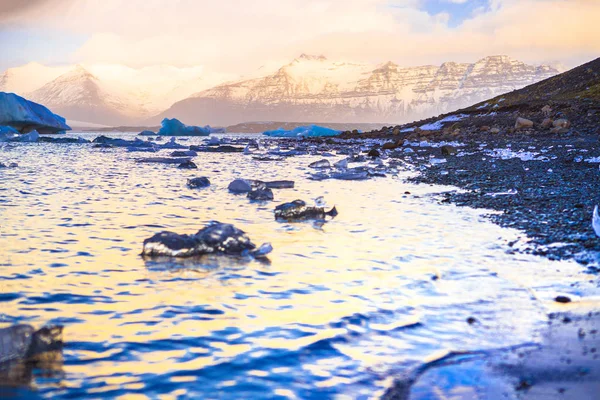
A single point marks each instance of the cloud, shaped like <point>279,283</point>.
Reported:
<point>239,36</point>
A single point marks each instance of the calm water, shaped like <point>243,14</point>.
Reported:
<point>339,309</point>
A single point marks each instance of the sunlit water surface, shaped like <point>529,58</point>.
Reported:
<point>339,310</point>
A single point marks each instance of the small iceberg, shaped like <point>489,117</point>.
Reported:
<point>303,131</point>
<point>174,127</point>
<point>26,116</point>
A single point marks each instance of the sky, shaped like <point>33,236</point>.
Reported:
<point>239,36</point>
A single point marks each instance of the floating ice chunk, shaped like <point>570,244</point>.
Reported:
<point>174,127</point>
<point>342,164</point>
<point>351,176</point>
<point>172,144</point>
<point>30,137</point>
<point>303,131</point>
<point>262,251</point>
<point>320,201</point>
<point>320,164</point>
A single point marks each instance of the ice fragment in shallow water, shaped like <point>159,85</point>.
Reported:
<point>320,201</point>
<point>320,164</point>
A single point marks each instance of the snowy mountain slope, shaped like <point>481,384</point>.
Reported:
<point>80,95</point>
<point>314,88</point>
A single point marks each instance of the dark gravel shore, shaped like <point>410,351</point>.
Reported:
<point>550,198</point>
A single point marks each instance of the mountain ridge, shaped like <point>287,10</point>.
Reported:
<point>306,89</point>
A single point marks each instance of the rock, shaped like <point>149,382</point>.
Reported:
<point>448,150</point>
<point>280,184</point>
<point>261,193</point>
<point>484,128</point>
<point>547,110</point>
<point>396,131</point>
<point>547,123</point>
<point>374,153</point>
<point>200,182</point>
<point>24,343</point>
<point>495,131</point>
<point>523,123</point>
<point>25,115</point>
<point>559,131</point>
<point>240,186</point>
<point>561,123</point>
<point>320,164</point>
<point>146,133</point>
<point>392,145</point>
<point>184,153</point>
<point>215,238</point>
<point>562,299</point>
<point>187,165</point>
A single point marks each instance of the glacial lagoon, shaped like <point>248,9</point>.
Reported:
<point>339,309</point>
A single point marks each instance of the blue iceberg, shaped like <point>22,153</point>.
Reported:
<point>174,127</point>
<point>303,131</point>
<point>26,116</point>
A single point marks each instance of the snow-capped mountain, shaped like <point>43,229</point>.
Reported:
<point>312,88</point>
<point>107,94</point>
<point>80,95</point>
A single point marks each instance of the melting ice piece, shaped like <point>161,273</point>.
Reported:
<point>596,221</point>
<point>320,164</point>
<point>297,210</point>
<point>216,237</point>
<point>342,164</point>
<point>320,201</point>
